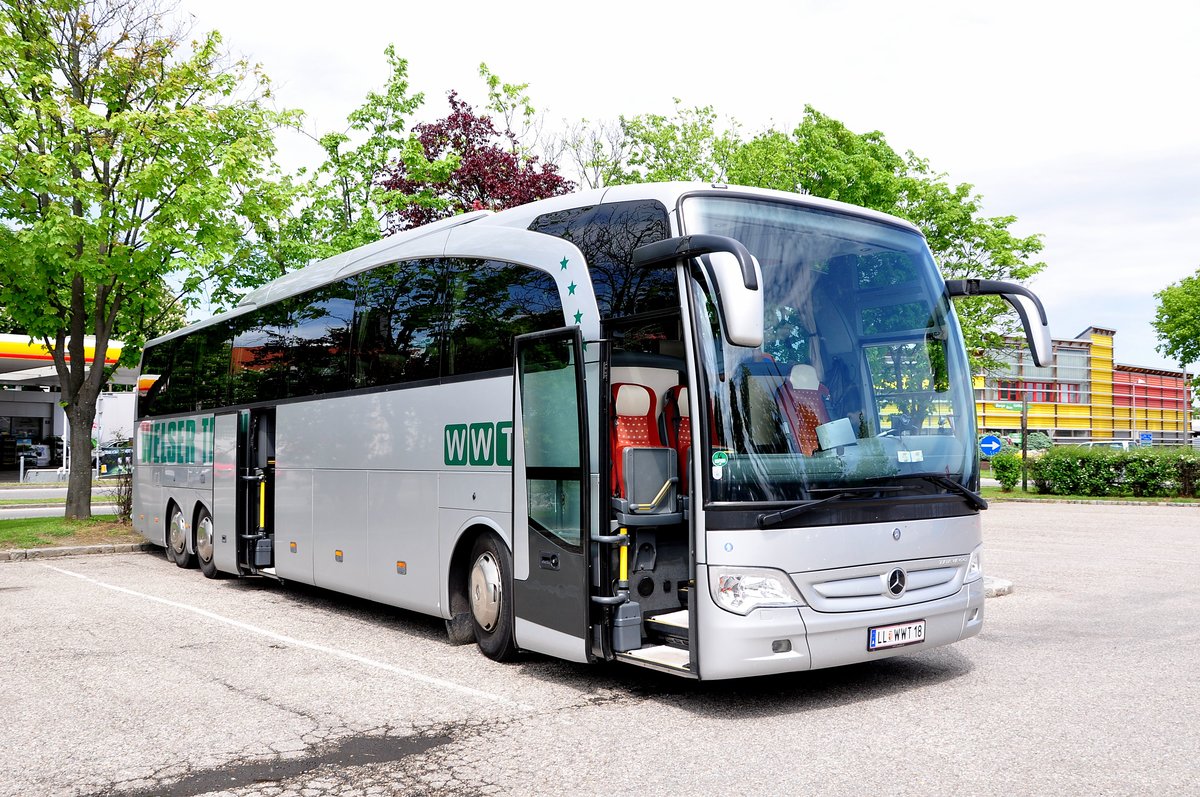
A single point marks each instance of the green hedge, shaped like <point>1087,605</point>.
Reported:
<point>1006,467</point>
<point>1141,472</point>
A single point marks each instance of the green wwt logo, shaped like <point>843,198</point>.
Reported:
<point>479,443</point>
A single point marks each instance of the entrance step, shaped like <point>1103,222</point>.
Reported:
<point>673,625</point>
<point>662,655</point>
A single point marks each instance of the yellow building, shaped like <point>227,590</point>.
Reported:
<point>1085,396</point>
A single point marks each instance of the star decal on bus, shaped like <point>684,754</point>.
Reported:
<point>578,316</point>
<point>571,289</point>
<point>563,263</point>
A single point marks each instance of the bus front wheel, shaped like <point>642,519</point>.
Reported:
<point>489,588</point>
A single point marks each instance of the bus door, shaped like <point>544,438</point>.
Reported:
<point>550,495</point>
<point>256,502</point>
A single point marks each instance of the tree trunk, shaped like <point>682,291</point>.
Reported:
<point>81,413</point>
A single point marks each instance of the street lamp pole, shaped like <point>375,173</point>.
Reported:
<point>1133,421</point>
<point>1187,408</point>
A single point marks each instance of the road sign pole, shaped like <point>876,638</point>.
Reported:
<point>1024,440</point>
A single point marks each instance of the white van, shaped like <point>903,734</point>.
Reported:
<point>1120,445</point>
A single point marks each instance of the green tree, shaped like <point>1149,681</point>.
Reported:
<point>1177,321</point>
<point>125,160</point>
<point>346,204</point>
<point>824,158</point>
<point>688,145</point>
<point>966,243</point>
<point>511,101</point>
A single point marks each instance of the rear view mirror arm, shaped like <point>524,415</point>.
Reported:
<point>694,246</point>
<point>1024,301</point>
<point>982,287</point>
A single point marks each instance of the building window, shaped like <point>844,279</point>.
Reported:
<point>1008,390</point>
<point>1042,392</point>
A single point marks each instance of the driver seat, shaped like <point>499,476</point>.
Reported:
<point>809,399</point>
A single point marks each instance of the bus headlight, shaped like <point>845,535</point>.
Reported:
<point>741,590</point>
<point>975,566</point>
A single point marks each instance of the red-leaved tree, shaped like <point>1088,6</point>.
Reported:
<point>493,172</point>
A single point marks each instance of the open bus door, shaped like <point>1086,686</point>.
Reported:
<point>256,496</point>
<point>550,495</point>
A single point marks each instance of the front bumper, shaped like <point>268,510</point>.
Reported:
<point>736,646</point>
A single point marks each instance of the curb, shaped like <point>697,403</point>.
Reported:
<point>76,550</point>
<point>996,587</point>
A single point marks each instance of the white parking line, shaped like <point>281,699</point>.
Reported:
<point>441,683</point>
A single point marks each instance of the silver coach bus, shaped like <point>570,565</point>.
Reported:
<point>710,430</point>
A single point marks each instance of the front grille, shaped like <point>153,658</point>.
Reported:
<point>856,589</point>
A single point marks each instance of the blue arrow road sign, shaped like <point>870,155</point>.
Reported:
<point>990,444</point>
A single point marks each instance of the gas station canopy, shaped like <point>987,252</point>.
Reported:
<point>27,362</point>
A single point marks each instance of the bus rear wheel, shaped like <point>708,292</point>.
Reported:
<point>204,544</point>
<point>489,590</point>
<point>177,535</point>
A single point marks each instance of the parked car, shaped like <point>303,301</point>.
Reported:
<point>1119,445</point>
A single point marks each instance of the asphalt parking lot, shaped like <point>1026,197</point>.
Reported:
<point>126,676</point>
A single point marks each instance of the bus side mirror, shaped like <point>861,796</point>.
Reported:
<point>1027,305</point>
<point>741,308</point>
<point>731,269</point>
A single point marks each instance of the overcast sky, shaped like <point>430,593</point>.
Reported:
<point>1079,118</point>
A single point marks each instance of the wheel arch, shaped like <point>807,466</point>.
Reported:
<point>459,565</point>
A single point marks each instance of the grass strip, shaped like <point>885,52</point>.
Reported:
<point>45,532</point>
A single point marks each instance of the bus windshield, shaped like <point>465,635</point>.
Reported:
<point>861,381</point>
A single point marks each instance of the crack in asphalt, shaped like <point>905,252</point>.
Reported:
<point>278,705</point>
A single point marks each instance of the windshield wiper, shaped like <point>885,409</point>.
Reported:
<point>768,519</point>
<point>976,500</point>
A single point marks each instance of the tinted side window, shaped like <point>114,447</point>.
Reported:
<point>491,302</point>
<point>212,367</point>
<point>186,374</point>
<point>259,361</point>
<point>155,378</point>
<point>399,321</point>
<point>607,235</point>
<point>319,345</point>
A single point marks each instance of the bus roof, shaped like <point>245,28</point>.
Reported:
<point>429,240</point>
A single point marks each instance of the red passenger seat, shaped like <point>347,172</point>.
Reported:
<point>677,419</point>
<point>808,399</point>
<point>634,411</point>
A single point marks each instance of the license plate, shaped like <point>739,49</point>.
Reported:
<point>894,636</point>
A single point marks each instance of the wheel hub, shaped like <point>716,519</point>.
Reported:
<point>486,592</point>
<point>204,539</point>
<point>177,537</point>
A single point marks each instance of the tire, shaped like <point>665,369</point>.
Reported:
<point>205,544</point>
<point>177,539</point>
<point>489,592</point>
